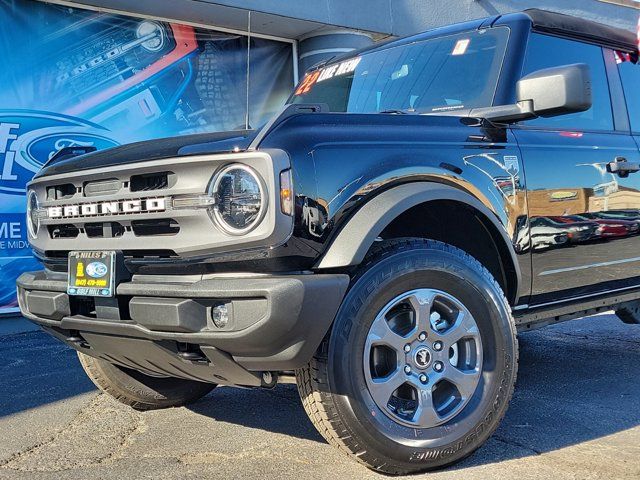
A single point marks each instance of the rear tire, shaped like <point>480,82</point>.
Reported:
<point>338,388</point>
<point>141,391</point>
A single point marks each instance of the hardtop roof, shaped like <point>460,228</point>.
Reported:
<point>543,21</point>
<point>554,23</point>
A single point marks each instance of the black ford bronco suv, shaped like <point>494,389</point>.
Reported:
<point>380,240</point>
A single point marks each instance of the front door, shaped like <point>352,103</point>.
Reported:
<point>583,219</point>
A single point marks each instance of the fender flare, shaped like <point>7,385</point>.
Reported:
<point>354,240</point>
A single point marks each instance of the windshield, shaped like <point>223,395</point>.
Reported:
<point>441,74</point>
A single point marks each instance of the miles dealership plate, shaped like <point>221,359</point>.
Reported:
<point>91,273</point>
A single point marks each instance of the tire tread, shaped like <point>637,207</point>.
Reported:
<point>312,380</point>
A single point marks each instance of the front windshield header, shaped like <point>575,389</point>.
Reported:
<point>443,74</point>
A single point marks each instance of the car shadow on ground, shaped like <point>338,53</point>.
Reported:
<point>278,410</point>
<point>576,383</point>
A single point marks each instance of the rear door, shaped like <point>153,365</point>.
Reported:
<point>565,161</point>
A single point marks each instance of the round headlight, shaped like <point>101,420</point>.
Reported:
<point>240,199</point>
<point>33,220</point>
<point>153,35</point>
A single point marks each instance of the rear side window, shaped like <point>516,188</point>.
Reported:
<point>544,51</point>
<point>630,75</point>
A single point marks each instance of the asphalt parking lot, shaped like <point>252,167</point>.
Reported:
<point>575,415</point>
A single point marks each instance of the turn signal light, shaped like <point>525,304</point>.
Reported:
<point>286,192</point>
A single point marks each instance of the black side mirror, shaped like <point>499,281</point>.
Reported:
<point>545,93</point>
<point>558,90</point>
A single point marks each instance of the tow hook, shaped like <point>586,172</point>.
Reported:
<point>193,357</point>
<point>78,341</point>
<point>269,379</point>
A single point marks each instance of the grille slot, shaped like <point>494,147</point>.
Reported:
<point>104,230</point>
<point>63,231</point>
<point>60,192</point>
<point>85,306</point>
<point>102,187</point>
<point>148,228</point>
<point>150,181</point>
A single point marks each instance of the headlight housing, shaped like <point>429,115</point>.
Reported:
<point>240,201</point>
<point>33,218</point>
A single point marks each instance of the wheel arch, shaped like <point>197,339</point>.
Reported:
<point>351,244</point>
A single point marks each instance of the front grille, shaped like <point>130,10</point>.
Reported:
<point>57,260</point>
<point>140,228</point>
<point>111,186</point>
<point>141,218</point>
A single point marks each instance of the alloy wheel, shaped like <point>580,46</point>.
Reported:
<point>423,358</point>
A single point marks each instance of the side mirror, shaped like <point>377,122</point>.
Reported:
<point>545,93</point>
<point>558,90</point>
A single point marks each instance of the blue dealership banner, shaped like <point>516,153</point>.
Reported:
<point>15,257</point>
<point>74,77</point>
<point>27,139</point>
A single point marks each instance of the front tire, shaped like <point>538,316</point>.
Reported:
<point>141,391</point>
<point>420,363</point>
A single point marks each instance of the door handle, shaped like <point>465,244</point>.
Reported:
<point>621,167</point>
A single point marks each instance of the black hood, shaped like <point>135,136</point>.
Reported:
<point>202,143</point>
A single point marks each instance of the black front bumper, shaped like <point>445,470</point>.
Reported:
<point>162,325</point>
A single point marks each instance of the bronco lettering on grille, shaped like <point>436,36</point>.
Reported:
<point>108,208</point>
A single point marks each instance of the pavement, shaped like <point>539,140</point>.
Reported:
<point>575,415</point>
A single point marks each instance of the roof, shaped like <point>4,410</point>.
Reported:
<point>588,31</point>
<point>543,21</point>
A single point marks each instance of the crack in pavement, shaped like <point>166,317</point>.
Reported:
<point>99,433</point>
<point>514,443</point>
<point>202,458</point>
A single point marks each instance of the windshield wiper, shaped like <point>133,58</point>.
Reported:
<point>406,111</point>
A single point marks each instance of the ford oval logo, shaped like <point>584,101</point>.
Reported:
<point>96,270</point>
<point>28,139</point>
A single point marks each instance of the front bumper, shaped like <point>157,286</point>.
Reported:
<point>161,325</point>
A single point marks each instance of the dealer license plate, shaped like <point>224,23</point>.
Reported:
<point>92,273</point>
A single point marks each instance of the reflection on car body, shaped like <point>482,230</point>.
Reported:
<point>578,230</point>
<point>610,227</point>
<point>562,230</point>
<point>546,234</point>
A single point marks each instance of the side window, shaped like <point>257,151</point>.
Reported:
<point>630,75</point>
<point>545,51</point>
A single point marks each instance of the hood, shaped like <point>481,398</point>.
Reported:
<point>200,144</point>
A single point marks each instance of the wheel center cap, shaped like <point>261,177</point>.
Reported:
<point>422,357</point>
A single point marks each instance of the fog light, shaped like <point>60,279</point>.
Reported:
<point>220,315</point>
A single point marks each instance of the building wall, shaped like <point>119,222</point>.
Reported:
<point>391,17</point>
<point>376,18</point>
